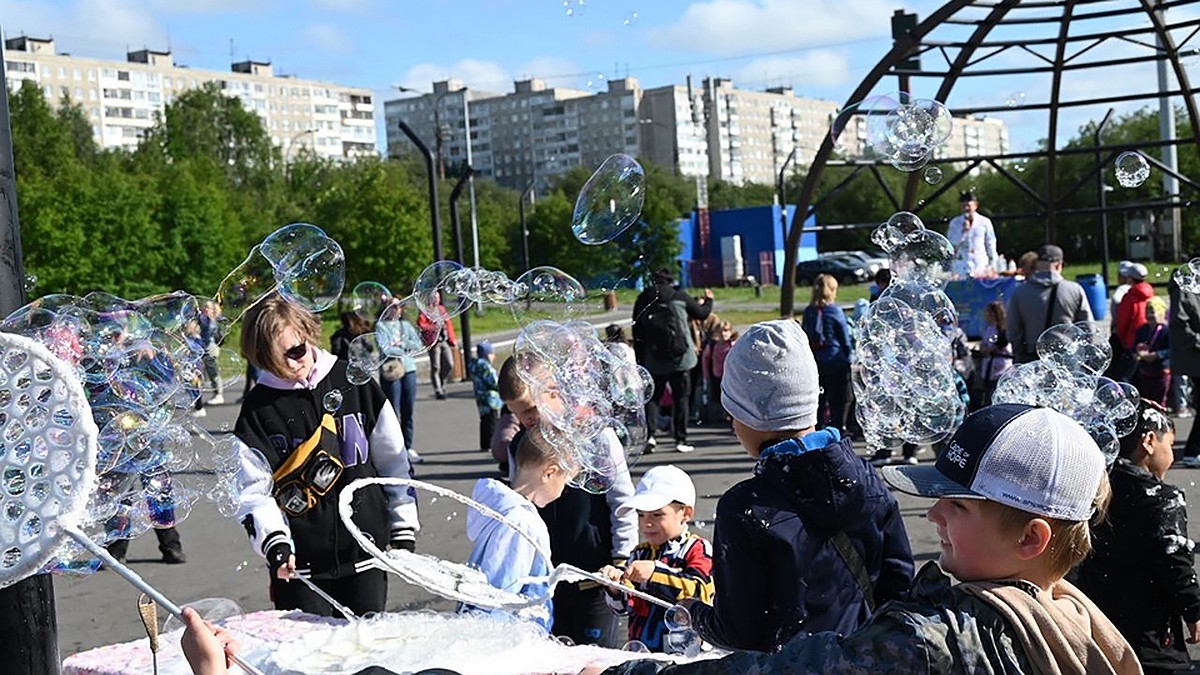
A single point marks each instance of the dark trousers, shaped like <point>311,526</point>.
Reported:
<point>402,393</point>
<point>831,403</point>
<point>584,617</point>
<point>168,541</point>
<point>681,384</point>
<point>1192,448</point>
<point>487,427</point>
<point>360,593</point>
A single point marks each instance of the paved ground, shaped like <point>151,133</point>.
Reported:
<point>101,609</point>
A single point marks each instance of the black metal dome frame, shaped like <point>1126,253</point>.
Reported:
<point>974,57</point>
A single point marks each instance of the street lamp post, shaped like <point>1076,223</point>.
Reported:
<point>287,151</point>
<point>433,188</point>
<point>783,200</point>
<point>1101,187</point>
<point>464,317</point>
<point>525,230</point>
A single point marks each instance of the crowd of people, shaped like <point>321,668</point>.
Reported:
<point>809,568</point>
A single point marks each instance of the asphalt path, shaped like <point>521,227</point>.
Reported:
<point>101,609</point>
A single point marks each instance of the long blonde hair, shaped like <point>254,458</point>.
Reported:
<point>825,288</point>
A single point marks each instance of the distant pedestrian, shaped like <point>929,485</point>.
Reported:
<point>487,392</point>
<point>437,332</point>
<point>825,324</point>
<point>1043,300</point>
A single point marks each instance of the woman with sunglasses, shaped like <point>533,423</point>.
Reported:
<point>317,432</point>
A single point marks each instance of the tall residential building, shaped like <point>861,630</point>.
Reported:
<point>537,133</point>
<point>534,134</point>
<point>122,98</point>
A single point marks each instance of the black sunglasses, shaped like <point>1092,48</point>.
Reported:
<point>298,352</point>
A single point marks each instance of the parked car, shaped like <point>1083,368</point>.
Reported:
<point>845,269</point>
<point>873,261</point>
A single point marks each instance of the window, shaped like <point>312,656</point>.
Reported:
<point>109,72</point>
<point>154,97</point>
<point>21,67</point>
<point>77,75</point>
<point>123,75</point>
<point>91,74</point>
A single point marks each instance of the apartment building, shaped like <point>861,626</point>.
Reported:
<point>537,133</point>
<point>123,98</point>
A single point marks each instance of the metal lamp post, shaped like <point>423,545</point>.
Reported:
<point>525,230</point>
<point>1100,188</point>
<point>464,317</point>
<point>783,229</point>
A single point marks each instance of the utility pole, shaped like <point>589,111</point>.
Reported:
<point>1166,132</point>
<point>28,616</point>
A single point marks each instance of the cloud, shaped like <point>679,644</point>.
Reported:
<point>210,6</point>
<point>731,27</point>
<point>557,72</point>
<point>817,68</point>
<point>75,25</point>
<point>326,38</point>
<point>471,72</point>
<point>341,5</point>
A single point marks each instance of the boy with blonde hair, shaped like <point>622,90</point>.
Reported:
<point>1016,488</point>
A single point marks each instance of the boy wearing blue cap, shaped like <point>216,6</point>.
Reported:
<point>487,392</point>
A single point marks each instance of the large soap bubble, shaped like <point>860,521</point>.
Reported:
<point>1131,169</point>
<point>610,201</point>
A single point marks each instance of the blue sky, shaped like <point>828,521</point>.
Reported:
<point>821,47</point>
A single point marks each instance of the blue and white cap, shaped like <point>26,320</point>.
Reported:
<point>1032,459</point>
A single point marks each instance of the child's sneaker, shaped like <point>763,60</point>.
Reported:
<point>684,447</point>
<point>414,457</point>
<point>216,400</point>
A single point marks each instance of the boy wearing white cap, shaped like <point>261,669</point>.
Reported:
<point>671,563</point>
<point>1015,488</point>
<point>813,541</point>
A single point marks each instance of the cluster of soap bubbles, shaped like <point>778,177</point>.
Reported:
<point>591,398</point>
<point>443,291</point>
<point>610,201</point>
<point>145,363</point>
<point>681,637</point>
<point>1067,377</point>
<point>905,380</point>
<point>574,8</point>
<point>1132,169</point>
<point>1187,276</point>
<point>900,129</point>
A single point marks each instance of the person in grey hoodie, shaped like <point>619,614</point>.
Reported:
<point>1045,299</point>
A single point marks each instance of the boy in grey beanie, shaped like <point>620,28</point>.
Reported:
<point>787,539</point>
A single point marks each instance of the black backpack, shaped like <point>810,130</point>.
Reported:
<point>661,330</point>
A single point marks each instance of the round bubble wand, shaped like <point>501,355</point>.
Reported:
<point>48,467</point>
<point>456,581</point>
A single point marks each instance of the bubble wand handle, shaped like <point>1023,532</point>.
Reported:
<point>345,611</point>
<point>139,583</point>
<point>573,571</point>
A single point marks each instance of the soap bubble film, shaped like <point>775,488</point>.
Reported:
<point>1131,169</point>
<point>610,201</point>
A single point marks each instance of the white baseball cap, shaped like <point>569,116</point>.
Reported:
<point>658,487</point>
<point>1032,459</point>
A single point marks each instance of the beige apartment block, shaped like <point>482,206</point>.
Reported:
<point>122,99</point>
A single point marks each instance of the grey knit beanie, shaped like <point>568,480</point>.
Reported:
<point>770,381</point>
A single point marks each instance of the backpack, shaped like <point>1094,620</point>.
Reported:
<point>663,335</point>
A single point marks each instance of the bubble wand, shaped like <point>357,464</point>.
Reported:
<point>49,467</point>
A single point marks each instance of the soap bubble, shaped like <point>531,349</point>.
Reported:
<point>1187,276</point>
<point>332,401</point>
<point>545,292</point>
<point>1015,99</point>
<point>441,290</point>
<point>630,19</point>
<point>574,8</point>
<point>635,646</point>
<point>933,175</point>
<point>684,642</point>
<point>309,267</point>
<point>369,298</point>
<point>677,618</point>
<point>905,132</point>
<point>1131,169</point>
<point>610,201</point>
<point>396,331</point>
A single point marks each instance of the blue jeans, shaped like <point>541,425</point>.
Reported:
<point>403,395</point>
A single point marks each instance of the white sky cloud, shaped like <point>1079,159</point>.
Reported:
<point>731,27</point>
<point>97,27</point>
<point>472,72</point>
<point>817,68</point>
<point>327,38</point>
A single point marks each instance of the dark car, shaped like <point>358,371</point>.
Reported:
<point>845,269</point>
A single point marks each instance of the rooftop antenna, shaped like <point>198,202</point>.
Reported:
<point>232,58</point>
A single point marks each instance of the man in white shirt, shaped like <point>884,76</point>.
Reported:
<point>973,238</point>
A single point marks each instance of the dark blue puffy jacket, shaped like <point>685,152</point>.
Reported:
<point>775,570</point>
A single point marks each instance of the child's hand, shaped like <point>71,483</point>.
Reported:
<point>611,573</point>
<point>208,649</point>
<point>639,571</point>
<point>1194,633</point>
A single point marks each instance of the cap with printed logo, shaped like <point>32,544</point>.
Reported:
<point>1033,459</point>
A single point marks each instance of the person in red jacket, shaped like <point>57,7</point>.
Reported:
<point>1131,313</point>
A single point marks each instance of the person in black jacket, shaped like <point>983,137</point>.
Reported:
<point>1141,571</point>
<point>663,343</point>
<point>789,540</point>
<point>317,432</point>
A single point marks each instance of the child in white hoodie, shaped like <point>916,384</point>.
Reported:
<point>500,552</point>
